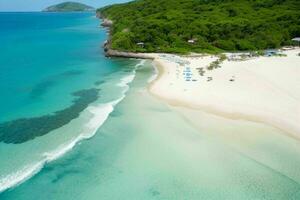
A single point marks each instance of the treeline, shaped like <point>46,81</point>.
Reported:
<point>183,26</point>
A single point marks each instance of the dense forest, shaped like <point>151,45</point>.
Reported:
<point>183,26</point>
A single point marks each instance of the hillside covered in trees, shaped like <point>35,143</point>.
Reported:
<point>202,25</point>
<point>69,7</point>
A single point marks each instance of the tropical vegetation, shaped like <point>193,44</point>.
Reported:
<point>183,26</point>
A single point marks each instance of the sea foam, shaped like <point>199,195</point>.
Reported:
<point>100,114</point>
<point>19,176</point>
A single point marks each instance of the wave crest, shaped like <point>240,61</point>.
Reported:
<point>100,114</point>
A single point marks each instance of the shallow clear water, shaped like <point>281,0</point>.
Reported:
<point>147,150</point>
<point>45,59</point>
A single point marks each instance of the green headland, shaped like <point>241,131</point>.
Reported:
<point>181,26</point>
<point>69,7</point>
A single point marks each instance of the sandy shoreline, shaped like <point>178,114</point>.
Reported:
<point>263,89</point>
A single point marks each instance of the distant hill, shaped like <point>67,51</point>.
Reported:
<point>69,7</point>
<point>202,25</point>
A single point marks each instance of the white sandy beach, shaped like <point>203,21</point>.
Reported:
<point>263,89</point>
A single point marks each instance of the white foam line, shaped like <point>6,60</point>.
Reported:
<point>100,112</point>
<point>20,176</point>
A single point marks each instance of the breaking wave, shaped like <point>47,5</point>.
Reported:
<point>100,113</point>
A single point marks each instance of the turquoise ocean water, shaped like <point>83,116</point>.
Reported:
<point>117,141</point>
<point>54,82</point>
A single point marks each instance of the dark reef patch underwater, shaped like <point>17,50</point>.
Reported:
<point>25,129</point>
<point>42,87</point>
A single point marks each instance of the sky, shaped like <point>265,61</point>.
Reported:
<point>38,5</point>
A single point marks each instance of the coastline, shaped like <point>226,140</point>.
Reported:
<point>216,154</point>
<point>109,52</point>
<point>231,100</point>
<point>290,126</point>
<point>225,109</point>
